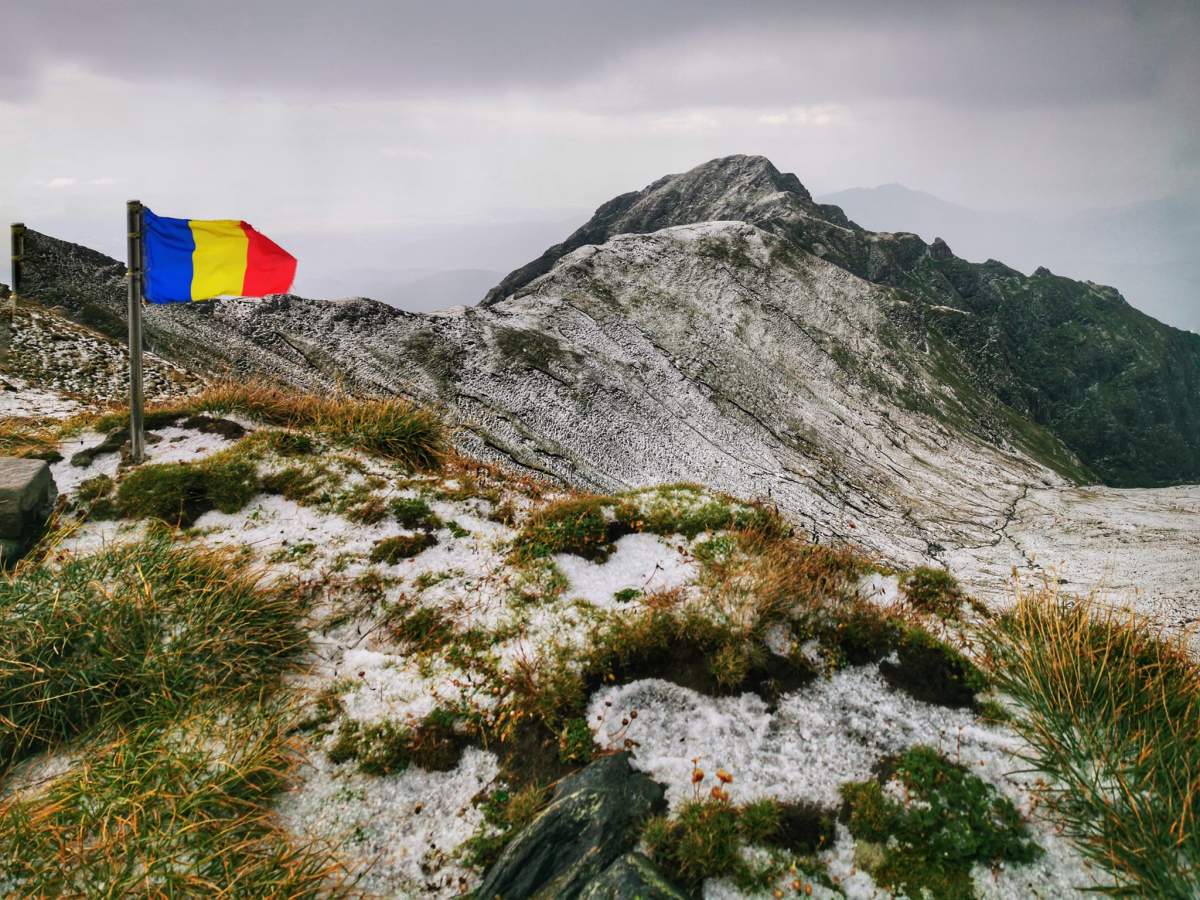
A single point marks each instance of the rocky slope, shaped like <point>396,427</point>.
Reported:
<point>720,326</point>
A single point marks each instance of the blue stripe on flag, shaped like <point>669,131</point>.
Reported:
<point>168,246</point>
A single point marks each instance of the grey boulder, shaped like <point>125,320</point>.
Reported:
<point>27,495</point>
<point>592,820</point>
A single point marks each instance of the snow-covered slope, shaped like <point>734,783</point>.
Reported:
<point>770,352</point>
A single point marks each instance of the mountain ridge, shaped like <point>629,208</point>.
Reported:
<point>866,384</point>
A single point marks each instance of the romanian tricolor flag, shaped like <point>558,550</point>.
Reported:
<point>198,259</point>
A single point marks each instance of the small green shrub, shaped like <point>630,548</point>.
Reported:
<point>717,549</point>
<point>179,493</point>
<point>381,748</point>
<point>405,546</point>
<point>948,821</point>
<point>575,742</point>
<point>707,839</point>
<point>588,526</point>
<point>413,512</point>
<point>702,840</point>
<point>934,591</point>
<point>627,595</point>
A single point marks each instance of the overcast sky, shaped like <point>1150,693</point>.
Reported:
<point>358,130</point>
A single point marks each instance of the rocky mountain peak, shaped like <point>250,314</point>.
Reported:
<point>730,188</point>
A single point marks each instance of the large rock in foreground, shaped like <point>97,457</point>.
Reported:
<point>27,495</point>
<point>590,822</point>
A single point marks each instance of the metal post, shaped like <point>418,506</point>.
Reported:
<point>134,229</point>
<point>18,258</point>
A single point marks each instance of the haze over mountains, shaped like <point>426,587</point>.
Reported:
<point>1147,250</point>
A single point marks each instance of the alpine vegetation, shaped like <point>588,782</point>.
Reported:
<point>710,556</point>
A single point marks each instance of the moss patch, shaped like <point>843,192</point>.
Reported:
<point>948,820</point>
<point>434,744</point>
<point>932,590</point>
<point>180,492</point>
<point>413,512</point>
<point>405,546</point>
<point>589,526</point>
<point>707,839</point>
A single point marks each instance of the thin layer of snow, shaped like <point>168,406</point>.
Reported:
<point>643,562</point>
<point>882,590</point>
<point>96,536</point>
<point>817,739</point>
<point>400,831</point>
<point>34,403</point>
<point>175,445</point>
<point>68,477</point>
<point>184,445</point>
<point>1130,547</point>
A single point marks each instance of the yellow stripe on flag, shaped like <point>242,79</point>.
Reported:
<point>219,260</point>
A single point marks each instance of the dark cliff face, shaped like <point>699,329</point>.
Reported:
<point>1119,388</point>
<point>90,286</point>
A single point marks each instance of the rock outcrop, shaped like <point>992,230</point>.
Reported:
<point>567,851</point>
<point>27,495</point>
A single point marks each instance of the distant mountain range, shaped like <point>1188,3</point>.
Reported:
<point>1149,251</point>
<point>414,290</point>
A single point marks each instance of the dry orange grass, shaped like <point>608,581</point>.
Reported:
<point>386,426</point>
<point>1111,708</point>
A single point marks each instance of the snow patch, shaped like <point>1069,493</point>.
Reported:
<point>641,561</point>
<point>398,832</point>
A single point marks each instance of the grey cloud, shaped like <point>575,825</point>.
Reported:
<point>983,53</point>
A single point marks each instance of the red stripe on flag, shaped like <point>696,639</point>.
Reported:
<point>269,268</point>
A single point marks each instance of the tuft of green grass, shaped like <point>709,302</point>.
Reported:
<point>303,484</point>
<point>161,665</point>
<point>387,427</point>
<point>1112,712</point>
<point>179,493</point>
<point>150,625</point>
<point>405,546</point>
<point>925,838</point>
<point>422,627</point>
<point>934,591</point>
<point>381,748</point>
<point>413,512</point>
<point>167,809</point>
<point>589,525</point>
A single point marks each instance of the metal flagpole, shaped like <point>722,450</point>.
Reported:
<point>18,257</point>
<point>134,229</point>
